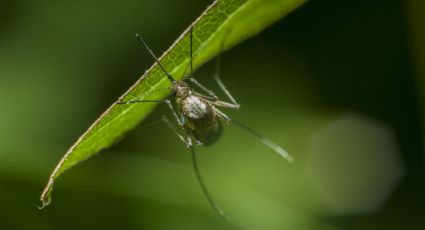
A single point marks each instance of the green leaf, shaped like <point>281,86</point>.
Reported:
<point>236,20</point>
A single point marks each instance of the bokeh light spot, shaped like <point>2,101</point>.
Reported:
<point>354,164</point>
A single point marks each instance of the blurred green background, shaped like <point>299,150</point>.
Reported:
<point>339,84</point>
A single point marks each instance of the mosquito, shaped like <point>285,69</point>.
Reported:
<point>199,116</point>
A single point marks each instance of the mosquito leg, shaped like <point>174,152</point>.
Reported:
<point>212,97</point>
<point>209,92</point>
<point>191,50</point>
<point>217,76</point>
<point>204,187</point>
<point>220,83</point>
<point>226,105</point>
<point>266,141</point>
<point>223,87</point>
<point>188,140</point>
<point>170,125</point>
<point>222,115</point>
<point>148,93</point>
<point>170,106</point>
<point>192,79</point>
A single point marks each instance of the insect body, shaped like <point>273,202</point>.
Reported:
<point>199,115</point>
<point>200,118</point>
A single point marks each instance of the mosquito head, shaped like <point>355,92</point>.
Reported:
<point>180,89</point>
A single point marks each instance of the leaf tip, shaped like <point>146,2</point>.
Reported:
<point>45,201</point>
<point>45,197</point>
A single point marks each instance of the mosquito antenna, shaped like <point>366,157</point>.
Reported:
<point>156,59</point>
<point>204,187</point>
<point>265,141</point>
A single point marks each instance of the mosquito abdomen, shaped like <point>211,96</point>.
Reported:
<point>210,135</point>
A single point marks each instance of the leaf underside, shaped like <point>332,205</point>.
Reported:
<point>244,18</point>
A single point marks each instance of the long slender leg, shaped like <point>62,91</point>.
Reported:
<point>224,89</point>
<point>170,106</point>
<point>266,141</point>
<point>226,105</point>
<point>191,50</point>
<point>148,93</point>
<point>221,114</point>
<point>192,79</point>
<point>209,98</point>
<point>204,187</point>
<point>205,89</point>
<point>218,80</point>
<point>170,125</point>
<point>188,140</point>
<point>194,161</point>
